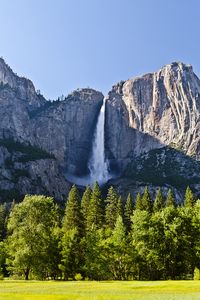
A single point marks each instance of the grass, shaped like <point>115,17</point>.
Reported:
<point>106,290</point>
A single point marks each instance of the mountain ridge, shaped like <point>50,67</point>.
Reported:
<point>144,113</point>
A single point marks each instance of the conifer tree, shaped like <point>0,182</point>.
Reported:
<point>95,211</point>
<point>159,201</point>
<point>85,202</point>
<point>128,211</point>
<point>189,200</point>
<point>170,200</point>
<point>120,207</point>
<point>72,218</point>
<point>111,207</point>
<point>146,200</point>
<point>3,213</point>
<point>119,231</point>
<point>138,202</point>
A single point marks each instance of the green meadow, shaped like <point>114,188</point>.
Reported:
<point>105,290</point>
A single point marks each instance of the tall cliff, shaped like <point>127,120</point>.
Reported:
<point>152,133</point>
<point>41,140</point>
<point>66,129</point>
<point>154,111</point>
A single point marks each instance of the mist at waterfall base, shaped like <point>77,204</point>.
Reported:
<point>97,165</point>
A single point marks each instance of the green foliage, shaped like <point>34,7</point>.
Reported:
<point>85,204</point>
<point>29,152</point>
<point>189,200</point>
<point>163,243</point>
<point>72,218</point>
<point>2,259</point>
<point>30,238</point>
<point>95,212</point>
<point>71,253</point>
<point>168,171</point>
<point>3,221</point>
<point>170,200</point>
<point>128,211</point>
<point>10,195</point>
<point>95,255</point>
<point>159,201</point>
<point>121,258</point>
<point>111,207</point>
<point>119,232</point>
<point>196,274</point>
<point>146,200</point>
<point>138,202</point>
<point>78,277</point>
<point>119,207</point>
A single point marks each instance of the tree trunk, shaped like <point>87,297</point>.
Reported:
<point>27,273</point>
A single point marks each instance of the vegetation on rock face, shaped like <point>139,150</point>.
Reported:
<point>16,169</point>
<point>9,195</point>
<point>164,166</point>
<point>153,240</point>
<point>29,152</point>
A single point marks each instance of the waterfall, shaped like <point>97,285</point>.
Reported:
<point>98,165</point>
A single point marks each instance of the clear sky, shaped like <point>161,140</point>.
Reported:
<point>62,45</point>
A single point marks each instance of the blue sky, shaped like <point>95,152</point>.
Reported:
<point>62,45</point>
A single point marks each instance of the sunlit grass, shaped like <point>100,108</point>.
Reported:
<point>92,290</point>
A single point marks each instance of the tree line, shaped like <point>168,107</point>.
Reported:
<point>101,239</point>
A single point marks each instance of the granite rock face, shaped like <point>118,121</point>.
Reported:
<point>64,129</point>
<point>151,112</point>
<point>35,176</point>
<point>17,98</point>
<point>150,121</point>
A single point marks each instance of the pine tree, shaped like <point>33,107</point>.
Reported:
<point>85,203</point>
<point>189,200</point>
<point>3,213</point>
<point>170,201</point>
<point>128,211</point>
<point>119,232</point>
<point>159,201</point>
<point>146,200</point>
<point>95,211</point>
<point>120,207</point>
<point>72,218</point>
<point>138,202</point>
<point>111,207</point>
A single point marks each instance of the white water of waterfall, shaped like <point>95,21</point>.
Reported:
<point>98,165</point>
